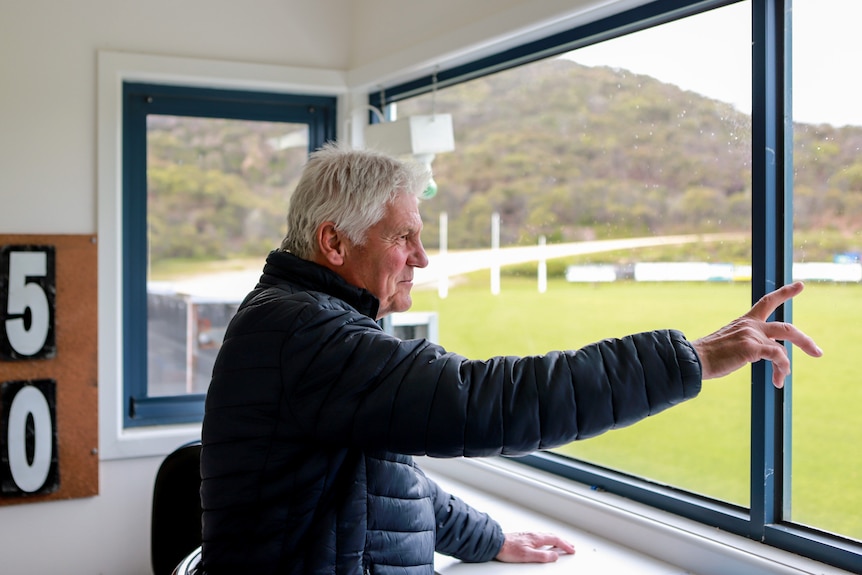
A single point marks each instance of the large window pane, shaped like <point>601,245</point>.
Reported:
<point>217,194</point>
<point>599,145</point>
<point>827,398</point>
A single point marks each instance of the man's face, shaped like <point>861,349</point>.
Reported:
<point>384,265</point>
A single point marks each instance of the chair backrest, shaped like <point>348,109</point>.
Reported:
<point>176,518</point>
<point>189,565</point>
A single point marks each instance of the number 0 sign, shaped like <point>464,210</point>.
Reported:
<point>29,442</point>
<point>48,393</point>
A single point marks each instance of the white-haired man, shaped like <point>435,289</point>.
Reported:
<point>314,413</point>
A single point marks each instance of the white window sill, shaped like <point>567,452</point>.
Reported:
<point>154,441</point>
<point>611,534</point>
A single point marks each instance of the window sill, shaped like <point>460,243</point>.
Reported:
<point>154,441</point>
<point>611,534</point>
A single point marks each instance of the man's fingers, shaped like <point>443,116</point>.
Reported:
<point>776,353</point>
<point>543,555</point>
<point>770,302</point>
<point>551,540</point>
<point>533,548</point>
<point>781,331</point>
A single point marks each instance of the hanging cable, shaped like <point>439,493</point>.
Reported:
<point>382,98</point>
<point>434,93</point>
<point>377,113</point>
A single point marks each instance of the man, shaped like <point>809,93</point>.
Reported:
<point>314,412</point>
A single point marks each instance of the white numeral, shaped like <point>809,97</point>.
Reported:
<point>24,295</point>
<point>30,476</point>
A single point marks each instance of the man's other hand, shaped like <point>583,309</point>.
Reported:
<point>533,548</point>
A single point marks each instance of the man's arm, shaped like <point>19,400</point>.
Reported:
<point>472,536</point>
<point>462,531</point>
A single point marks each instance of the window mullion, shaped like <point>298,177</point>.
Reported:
<point>134,250</point>
<point>785,96</point>
<point>770,255</point>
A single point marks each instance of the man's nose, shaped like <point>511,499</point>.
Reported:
<point>419,258</point>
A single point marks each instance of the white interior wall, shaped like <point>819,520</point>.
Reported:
<point>50,173</point>
<point>48,97</point>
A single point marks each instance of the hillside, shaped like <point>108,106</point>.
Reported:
<point>559,149</point>
<point>574,152</point>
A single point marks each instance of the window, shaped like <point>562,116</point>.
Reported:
<point>673,152</point>
<point>827,208</point>
<point>207,176</point>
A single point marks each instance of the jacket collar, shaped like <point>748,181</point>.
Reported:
<point>284,266</point>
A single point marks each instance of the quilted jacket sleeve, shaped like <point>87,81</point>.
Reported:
<point>464,532</point>
<point>414,397</point>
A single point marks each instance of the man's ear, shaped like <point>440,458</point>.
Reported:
<point>331,244</point>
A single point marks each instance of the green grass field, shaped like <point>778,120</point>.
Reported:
<point>702,445</point>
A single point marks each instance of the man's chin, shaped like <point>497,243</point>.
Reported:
<point>397,307</point>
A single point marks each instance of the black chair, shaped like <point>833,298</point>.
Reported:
<point>176,520</point>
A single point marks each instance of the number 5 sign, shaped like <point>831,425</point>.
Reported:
<point>48,394</point>
<point>27,287</point>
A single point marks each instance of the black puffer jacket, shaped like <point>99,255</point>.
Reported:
<point>313,413</point>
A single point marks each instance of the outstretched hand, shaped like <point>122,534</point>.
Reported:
<point>533,548</point>
<point>751,338</point>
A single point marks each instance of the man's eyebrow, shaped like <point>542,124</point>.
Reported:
<point>410,227</point>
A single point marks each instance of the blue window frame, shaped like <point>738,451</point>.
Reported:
<point>140,101</point>
<point>772,180</point>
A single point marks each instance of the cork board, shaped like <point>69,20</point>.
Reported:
<point>48,390</point>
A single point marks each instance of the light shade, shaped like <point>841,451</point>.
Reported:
<point>412,135</point>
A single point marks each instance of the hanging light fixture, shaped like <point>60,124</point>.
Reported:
<point>422,137</point>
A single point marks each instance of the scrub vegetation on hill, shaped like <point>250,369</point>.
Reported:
<point>558,149</point>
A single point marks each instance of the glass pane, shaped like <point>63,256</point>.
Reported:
<point>645,138</point>
<point>217,193</point>
<point>827,192</point>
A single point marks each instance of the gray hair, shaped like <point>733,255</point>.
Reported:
<point>350,188</point>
